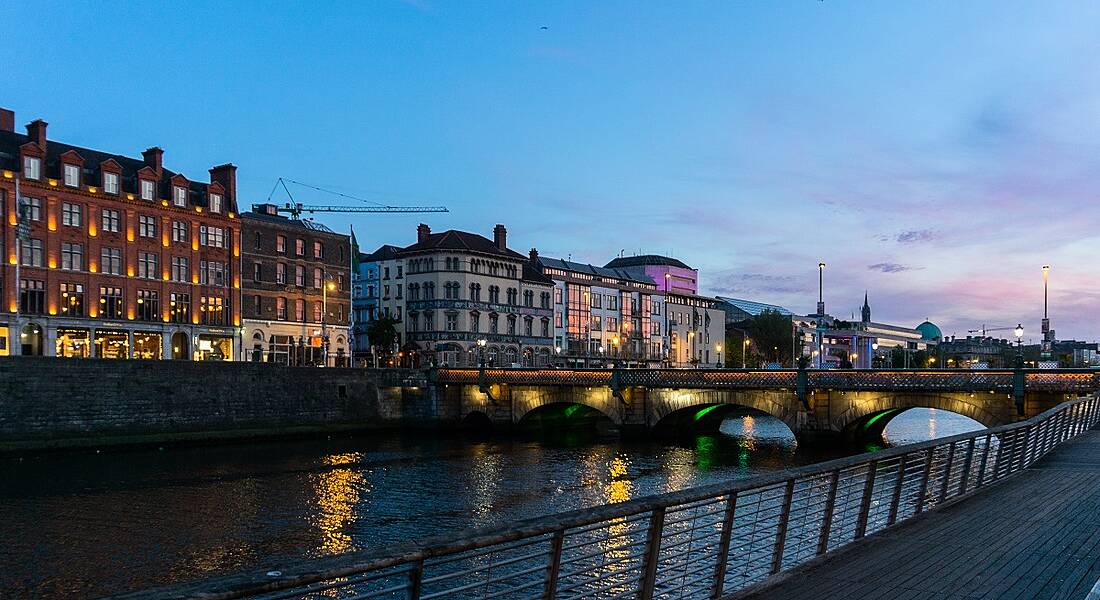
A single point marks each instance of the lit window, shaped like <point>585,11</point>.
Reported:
<point>318,250</point>
<point>72,175</point>
<point>179,196</point>
<point>280,244</point>
<point>148,190</point>
<point>32,167</point>
<point>215,203</point>
<point>110,183</point>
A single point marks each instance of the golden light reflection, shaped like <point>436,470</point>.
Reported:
<point>338,492</point>
<point>616,544</point>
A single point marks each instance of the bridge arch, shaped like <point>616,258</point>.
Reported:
<point>668,406</point>
<point>867,415</point>
<point>704,418</point>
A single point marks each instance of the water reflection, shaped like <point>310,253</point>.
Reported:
<point>923,424</point>
<point>88,525</point>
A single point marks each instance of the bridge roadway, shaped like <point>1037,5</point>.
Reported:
<point>1036,535</point>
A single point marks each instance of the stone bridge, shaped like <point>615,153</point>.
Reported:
<point>811,402</point>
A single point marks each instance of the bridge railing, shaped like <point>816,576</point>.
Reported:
<point>698,543</point>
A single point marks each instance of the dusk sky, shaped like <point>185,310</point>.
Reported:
<point>936,154</point>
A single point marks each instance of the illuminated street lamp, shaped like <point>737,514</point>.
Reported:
<point>874,353</point>
<point>719,348</point>
<point>328,286</point>
<point>855,356</point>
<point>481,350</point>
<point>744,350</point>
<point>1019,345</point>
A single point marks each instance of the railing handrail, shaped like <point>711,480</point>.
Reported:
<point>316,570</point>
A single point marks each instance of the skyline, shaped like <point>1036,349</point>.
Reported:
<point>751,149</point>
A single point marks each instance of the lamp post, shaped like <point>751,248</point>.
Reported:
<point>481,350</point>
<point>557,355</point>
<point>719,348</point>
<point>855,357</point>
<point>820,289</point>
<point>326,285</point>
<point>1019,345</point>
<point>691,345</point>
<point>874,353</point>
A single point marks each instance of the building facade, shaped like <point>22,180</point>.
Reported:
<point>109,256</point>
<point>605,316</point>
<point>296,290</point>
<point>670,275</point>
<point>697,331</point>
<point>367,299</point>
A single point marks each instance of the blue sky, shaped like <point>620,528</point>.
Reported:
<point>933,153</point>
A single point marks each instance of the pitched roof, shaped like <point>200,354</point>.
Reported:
<point>530,273</point>
<point>462,240</point>
<point>646,260</point>
<point>609,273</point>
<point>384,252</point>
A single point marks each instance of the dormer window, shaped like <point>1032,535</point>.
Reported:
<point>215,203</point>
<point>32,167</point>
<point>179,196</point>
<point>72,175</point>
<point>110,183</point>
<point>148,191</point>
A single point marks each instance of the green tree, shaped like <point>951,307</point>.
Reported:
<point>771,335</point>
<point>382,333</point>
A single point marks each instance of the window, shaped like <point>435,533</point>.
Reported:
<point>147,265</point>
<point>529,298</point>
<point>110,302</point>
<point>299,310</point>
<point>511,325</point>
<point>280,244</point>
<point>256,271</point>
<point>544,300</point>
<point>181,269</point>
<point>212,236</point>
<point>557,320</point>
<point>148,190</point>
<point>111,220</point>
<point>148,305</point>
<point>317,307</point>
<point>31,253</point>
<point>180,305</point>
<point>318,250</point>
<point>300,247</point>
<point>494,322</point>
<point>494,294</point>
<point>72,256</point>
<point>299,276</point>
<point>72,299</point>
<point>72,175</point>
<point>32,208</point>
<point>212,273</point>
<point>216,203</point>
<point>429,291</point>
<point>513,297</point>
<point>280,273</point>
<point>596,300</point>
<point>527,326</point>
<point>656,309</point>
<point>32,167</point>
<point>452,322</point>
<point>32,296</point>
<point>596,323</point>
<point>546,328</point>
<point>213,310</point>
<point>179,196</point>
<point>257,305</point>
<point>111,261</point>
<point>147,226</point>
<point>181,232</point>
<point>110,183</point>
<point>475,322</point>
<point>317,278</point>
<point>428,322</point>
<point>280,309</point>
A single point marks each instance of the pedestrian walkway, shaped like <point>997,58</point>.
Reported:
<point>1034,536</point>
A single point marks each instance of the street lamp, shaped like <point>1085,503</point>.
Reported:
<point>481,348</point>
<point>874,353</point>
<point>329,285</point>
<point>855,356</point>
<point>1019,345</point>
<point>719,348</point>
<point>744,350</point>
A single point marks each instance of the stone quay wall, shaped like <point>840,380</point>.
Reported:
<point>58,403</point>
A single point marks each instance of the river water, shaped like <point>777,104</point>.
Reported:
<point>91,524</point>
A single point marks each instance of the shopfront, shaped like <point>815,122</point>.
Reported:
<point>214,347</point>
<point>148,345</point>
<point>112,343</point>
<point>73,342</point>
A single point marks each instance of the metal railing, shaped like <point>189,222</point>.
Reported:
<point>705,542</point>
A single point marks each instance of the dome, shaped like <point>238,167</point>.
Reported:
<point>929,331</point>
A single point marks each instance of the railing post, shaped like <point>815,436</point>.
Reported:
<point>947,472</point>
<point>781,530</point>
<point>985,461</point>
<point>923,493</point>
<point>550,589</point>
<point>827,518</point>
<point>416,575</point>
<point>1002,447</point>
<point>652,553</point>
<point>895,499</point>
<point>865,501</point>
<point>718,586</point>
<point>966,466</point>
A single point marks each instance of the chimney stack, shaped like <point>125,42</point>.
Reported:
<point>7,120</point>
<point>36,130</point>
<point>154,159</point>
<point>227,176</point>
<point>534,254</point>
<point>500,237</point>
<point>422,233</point>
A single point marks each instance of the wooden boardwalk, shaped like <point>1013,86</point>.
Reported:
<point>1036,535</point>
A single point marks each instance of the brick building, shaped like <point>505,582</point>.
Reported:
<point>296,289</point>
<point>113,257</point>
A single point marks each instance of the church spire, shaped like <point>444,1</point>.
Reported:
<point>865,312</point>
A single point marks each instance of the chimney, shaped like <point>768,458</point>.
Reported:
<point>154,159</point>
<point>500,237</point>
<point>534,254</point>
<point>227,176</point>
<point>422,233</point>
<point>7,120</point>
<point>36,130</point>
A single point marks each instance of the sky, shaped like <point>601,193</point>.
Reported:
<point>933,154</point>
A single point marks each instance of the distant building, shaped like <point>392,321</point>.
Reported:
<point>697,330</point>
<point>367,296</point>
<point>296,292</point>
<point>829,342</point>
<point>670,275</point>
<point>977,352</point>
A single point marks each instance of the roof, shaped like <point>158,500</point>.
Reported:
<point>10,142</point>
<point>587,269</point>
<point>462,240</point>
<point>286,222</point>
<point>754,308</point>
<point>384,252</point>
<point>646,260</point>
<point>929,331</point>
<point>530,273</point>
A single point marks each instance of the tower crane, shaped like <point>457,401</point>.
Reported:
<point>985,329</point>
<point>295,209</point>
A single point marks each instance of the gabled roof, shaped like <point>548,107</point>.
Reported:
<point>587,269</point>
<point>530,273</point>
<point>461,240</point>
<point>384,252</point>
<point>643,260</point>
<point>753,308</point>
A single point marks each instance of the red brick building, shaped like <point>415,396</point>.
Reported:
<point>114,257</point>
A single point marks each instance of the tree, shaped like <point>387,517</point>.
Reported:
<point>771,334</point>
<point>382,333</point>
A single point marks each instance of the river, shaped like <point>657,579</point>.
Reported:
<point>94,523</point>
